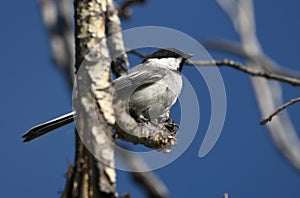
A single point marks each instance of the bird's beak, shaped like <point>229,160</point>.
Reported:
<point>187,56</point>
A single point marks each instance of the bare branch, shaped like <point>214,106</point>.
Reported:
<point>115,42</point>
<point>57,16</point>
<point>248,70</point>
<point>58,20</point>
<point>153,186</point>
<point>263,60</point>
<point>279,109</point>
<point>94,82</point>
<point>226,62</point>
<point>268,94</point>
<point>159,136</point>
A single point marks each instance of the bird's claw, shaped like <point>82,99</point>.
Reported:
<point>170,124</point>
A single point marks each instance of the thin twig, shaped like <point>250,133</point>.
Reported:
<point>278,110</point>
<point>263,60</point>
<point>248,70</point>
<point>226,62</point>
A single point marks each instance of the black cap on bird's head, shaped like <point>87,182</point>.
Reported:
<point>169,53</point>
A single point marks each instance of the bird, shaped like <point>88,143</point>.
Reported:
<point>151,88</point>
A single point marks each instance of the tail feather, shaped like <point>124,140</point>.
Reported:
<point>49,126</point>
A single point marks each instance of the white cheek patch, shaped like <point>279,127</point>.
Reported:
<point>171,63</point>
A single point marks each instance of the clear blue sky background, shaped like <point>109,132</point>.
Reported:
<point>244,161</point>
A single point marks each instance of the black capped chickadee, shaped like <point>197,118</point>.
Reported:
<point>151,87</point>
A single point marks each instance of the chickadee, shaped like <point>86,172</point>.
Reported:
<point>152,88</point>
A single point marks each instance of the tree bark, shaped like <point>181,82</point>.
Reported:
<point>92,177</point>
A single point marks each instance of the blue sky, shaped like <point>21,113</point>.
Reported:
<point>244,162</point>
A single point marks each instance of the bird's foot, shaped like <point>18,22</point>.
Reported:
<point>170,124</point>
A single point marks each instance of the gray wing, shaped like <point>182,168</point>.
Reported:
<point>135,79</point>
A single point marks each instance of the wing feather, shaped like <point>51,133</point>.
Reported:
<point>136,79</point>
